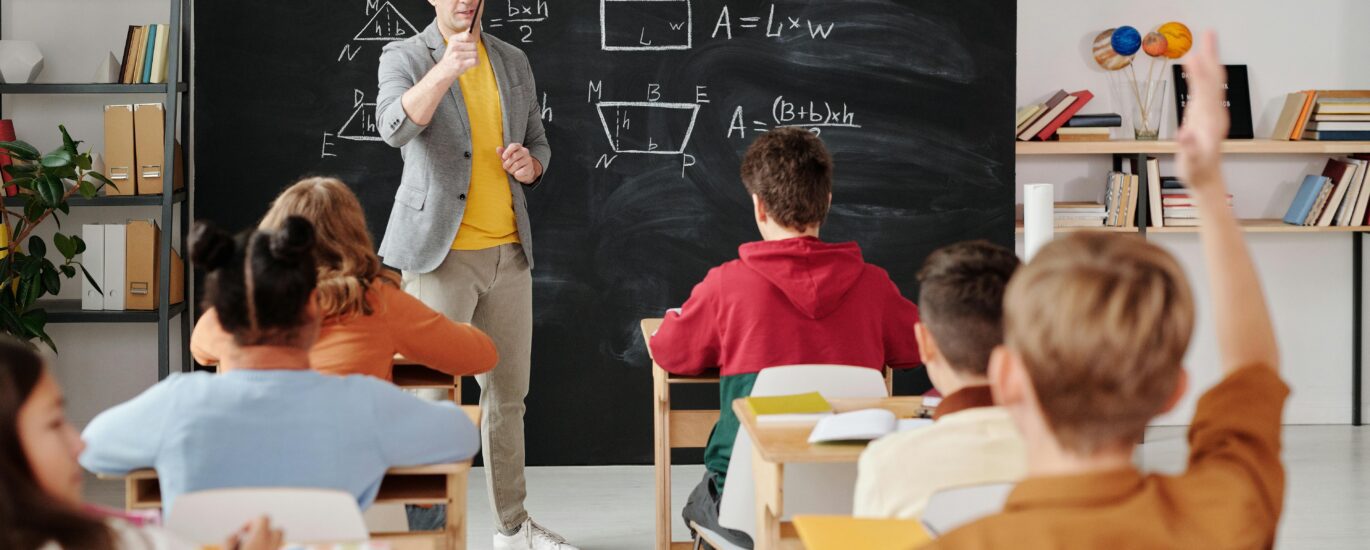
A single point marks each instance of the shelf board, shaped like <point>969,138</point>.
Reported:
<point>1268,226</point>
<point>117,200</point>
<point>69,311</point>
<point>1249,226</point>
<point>1018,228</point>
<point>1235,147</point>
<point>88,88</point>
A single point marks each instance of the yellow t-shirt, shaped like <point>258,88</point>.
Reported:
<point>489,219</point>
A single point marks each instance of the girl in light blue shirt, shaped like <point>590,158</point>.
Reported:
<point>271,421</point>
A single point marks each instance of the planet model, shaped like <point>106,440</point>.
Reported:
<point>1178,39</point>
<point>1105,55</point>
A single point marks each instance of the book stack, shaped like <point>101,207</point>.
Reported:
<point>1120,199</point>
<point>1324,115</point>
<point>145,54</point>
<point>1336,197</point>
<point>1041,121</point>
<point>1080,214</point>
<point>1178,208</point>
<point>1089,127</point>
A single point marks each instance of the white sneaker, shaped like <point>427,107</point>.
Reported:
<point>531,536</point>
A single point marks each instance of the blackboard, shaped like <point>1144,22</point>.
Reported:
<point>649,106</point>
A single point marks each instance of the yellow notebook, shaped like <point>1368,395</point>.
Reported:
<point>800,403</point>
<point>846,532</point>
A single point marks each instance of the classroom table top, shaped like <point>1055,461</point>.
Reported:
<point>789,443</point>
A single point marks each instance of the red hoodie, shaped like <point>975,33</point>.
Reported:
<point>790,302</point>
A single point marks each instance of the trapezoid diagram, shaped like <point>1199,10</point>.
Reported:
<point>648,128</point>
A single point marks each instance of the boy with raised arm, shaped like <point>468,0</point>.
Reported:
<point>1095,329</point>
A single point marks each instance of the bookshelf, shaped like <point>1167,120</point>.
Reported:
<point>177,110</point>
<point>1119,150</point>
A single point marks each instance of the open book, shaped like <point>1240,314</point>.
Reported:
<point>862,425</point>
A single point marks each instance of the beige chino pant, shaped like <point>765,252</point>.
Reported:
<point>493,290</point>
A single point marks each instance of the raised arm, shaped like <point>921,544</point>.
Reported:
<point>404,107</point>
<point>1245,334</point>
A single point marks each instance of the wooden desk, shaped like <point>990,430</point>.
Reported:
<point>775,446</point>
<point>432,484</point>
<point>412,376</point>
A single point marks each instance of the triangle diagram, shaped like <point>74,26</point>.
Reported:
<point>361,126</point>
<point>388,24</point>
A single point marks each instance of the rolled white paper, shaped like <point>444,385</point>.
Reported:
<point>1039,223</point>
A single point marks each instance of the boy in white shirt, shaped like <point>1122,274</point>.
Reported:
<point>972,441</point>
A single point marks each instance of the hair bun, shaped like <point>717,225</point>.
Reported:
<point>210,247</point>
<point>294,240</point>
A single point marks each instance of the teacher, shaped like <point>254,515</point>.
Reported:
<point>462,107</point>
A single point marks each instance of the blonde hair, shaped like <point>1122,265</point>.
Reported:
<point>1102,323</point>
<point>347,263</point>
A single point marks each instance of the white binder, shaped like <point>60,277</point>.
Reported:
<point>116,236</point>
<point>93,259</point>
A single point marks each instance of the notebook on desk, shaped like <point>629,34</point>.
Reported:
<point>846,533</point>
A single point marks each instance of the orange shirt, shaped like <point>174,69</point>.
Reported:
<point>367,344</point>
<point>1230,496</point>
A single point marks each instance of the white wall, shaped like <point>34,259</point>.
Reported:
<point>99,365</point>
<point>1287,47</point>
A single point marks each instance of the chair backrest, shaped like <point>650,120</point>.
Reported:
<point>809,488</point>
<point>306,515</point>
<point>956,506</point>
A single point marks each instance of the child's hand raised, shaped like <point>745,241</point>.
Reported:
<point>1206,121</point>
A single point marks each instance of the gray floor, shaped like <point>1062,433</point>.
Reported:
<point>610,508</point>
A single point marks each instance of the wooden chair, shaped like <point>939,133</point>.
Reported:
<point>673,429</point>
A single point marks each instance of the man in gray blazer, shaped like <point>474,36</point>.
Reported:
<point>462,108</point>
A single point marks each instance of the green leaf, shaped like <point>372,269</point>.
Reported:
<point>55,190</point>
<point>84,162</point>
<point>68,144</point>
<point>52,280</point>
<point>68,271</point>
<point>21,150</point>
<point>80,243</point>
<point>29,268</point>
<point>65,245</point>
<point>31,292</point>
<point>44,192</point>
<point>37,248</point>
<point>87,189</point>
<point>65,208</point>
<point>90,278</point>
<point>22,183</point>
<point>60,158</point>
<point>103,180</point>
<point>26,170</point>
<point>35,323</point>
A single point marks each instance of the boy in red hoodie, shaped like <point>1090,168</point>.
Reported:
<point>789,299</point>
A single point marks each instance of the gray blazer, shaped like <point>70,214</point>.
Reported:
<point>437,158</point>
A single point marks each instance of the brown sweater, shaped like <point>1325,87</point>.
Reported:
<point>367,344</point>
<point>1230,496</point>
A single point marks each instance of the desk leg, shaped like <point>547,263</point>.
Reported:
<point>770,501</point>
<point>661,416</point>
<point>456,511</point>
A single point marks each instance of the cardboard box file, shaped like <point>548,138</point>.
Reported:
<point>119,150</point>
<point>149,121</point>
<point>141,270</point>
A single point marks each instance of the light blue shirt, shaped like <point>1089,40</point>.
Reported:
<point>248,428</point>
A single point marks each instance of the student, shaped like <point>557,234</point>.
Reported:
<point>973,442</point>
<point>271,421</point>
<point>1096,327</point>
<point>40,480</point>
<point>367,319</point>
<point>789,299</point>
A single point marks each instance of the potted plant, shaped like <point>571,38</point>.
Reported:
<point>47,181</point>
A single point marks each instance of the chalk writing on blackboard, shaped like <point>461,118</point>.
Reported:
<point>646,25</point>
<point>782,26</point>
<point>626,124</point>
<point>525,14</point>
<point>812,115</point>
<point>387,23</point>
